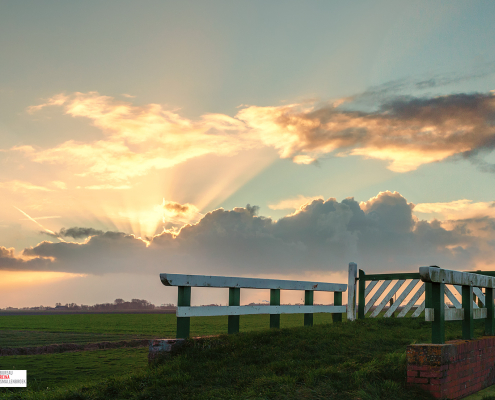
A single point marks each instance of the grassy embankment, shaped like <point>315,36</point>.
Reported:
<point>361,360</point>
<point>55,370</point>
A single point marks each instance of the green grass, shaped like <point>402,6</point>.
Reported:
<point>55,370</point>
<point>25,338</point>
<point>361,360</point>
<point>149,325</point>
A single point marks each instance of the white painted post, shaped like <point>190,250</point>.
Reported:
<point>351,292</point>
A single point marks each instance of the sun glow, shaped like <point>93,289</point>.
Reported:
<point>17,279</point>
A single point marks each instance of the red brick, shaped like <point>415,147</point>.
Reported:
<point>417,380</point>
<point>431,374</point>
<point>441,381</point>
<point>428,388</point>
<point>412,373</point>
<point>419,367</point>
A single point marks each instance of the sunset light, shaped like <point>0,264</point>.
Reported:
<point>252,139</point>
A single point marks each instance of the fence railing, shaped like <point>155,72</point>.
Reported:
<point>234,310</point>
<point>468,285</point>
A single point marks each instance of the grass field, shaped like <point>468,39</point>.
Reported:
<point>26,338</point>
<point>56,370</point>
<point>148,325</point>
<point>359,360</point>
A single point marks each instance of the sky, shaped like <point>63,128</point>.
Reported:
<point>278,139</point>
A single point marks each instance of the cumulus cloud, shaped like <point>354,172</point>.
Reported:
<point>381,234</point>
<point>406,132</point>
<point>9,262</point>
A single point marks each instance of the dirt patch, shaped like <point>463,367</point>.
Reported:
<point>61,348</point>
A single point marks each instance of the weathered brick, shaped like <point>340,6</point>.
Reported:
<point>417,380</point>
<point>431,374</point>
<point>440,381</point>
<point>419,367</point>
<point>453,370</point>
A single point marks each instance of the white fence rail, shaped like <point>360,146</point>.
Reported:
<point>234,309</point>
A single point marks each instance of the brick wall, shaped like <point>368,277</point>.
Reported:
<point>452,370</point>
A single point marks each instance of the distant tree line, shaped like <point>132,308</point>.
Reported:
<point>118,304</point>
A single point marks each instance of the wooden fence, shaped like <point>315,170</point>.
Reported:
<point>372,295</point>
<point>234,310</point>
<point>468,284</point>
<point>404,295</point>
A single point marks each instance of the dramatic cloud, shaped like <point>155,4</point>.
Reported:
<point>176,208</point>
<point>77,233</point>
<point>9,262</point>
<point>179,214</point>
<point>381,234</point>
<point>137,139</point>
<point>407,132</point>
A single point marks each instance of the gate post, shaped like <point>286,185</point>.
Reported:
<point>351,292</point>
<point>362,297</point>
<point>467,305</point>
<point>308,301</point>
<point>489,321</point>
<point>438,302</point>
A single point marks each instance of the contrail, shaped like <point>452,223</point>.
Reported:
<point>48,217</point>
<point>41,226</point>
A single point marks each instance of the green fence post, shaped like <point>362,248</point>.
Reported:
<point>234,300</point>
<point>362,297</point>
<point>489,321</point>
<point>438,302</point>
<point>467,304</point>
<point>274,301</point>
<point>428,298</point>
<point>337,301</point>
<point>183,323</point>
<point>308,301</point>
